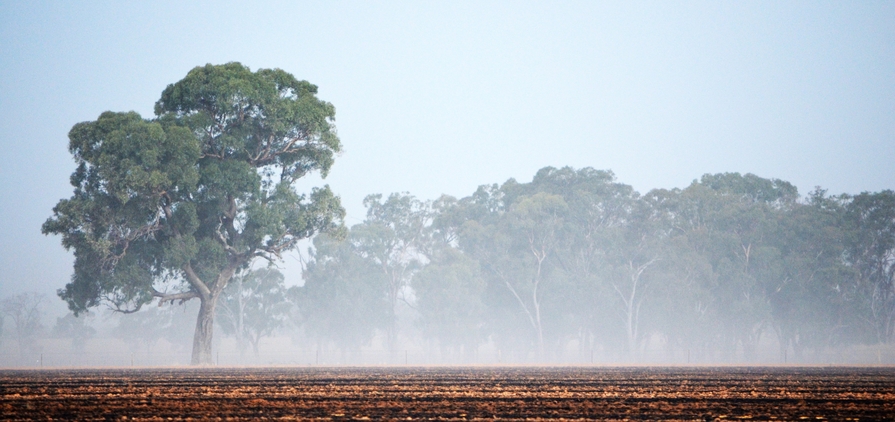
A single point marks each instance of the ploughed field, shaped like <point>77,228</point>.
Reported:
<point>758,393</point>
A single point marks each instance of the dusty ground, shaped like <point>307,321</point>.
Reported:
<point>451,393</point>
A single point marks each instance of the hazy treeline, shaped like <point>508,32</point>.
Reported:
<point>28,334</point>
<point>576,259</point>
<point>572,261</point>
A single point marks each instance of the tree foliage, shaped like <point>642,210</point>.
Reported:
<point>254,305</point>
<point>575,256</point>
<point>173,207</point>
<point>345,297</point>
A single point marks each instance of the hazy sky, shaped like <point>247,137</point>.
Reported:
<point>440,97</point>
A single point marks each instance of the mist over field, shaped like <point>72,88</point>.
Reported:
<point>447,184</point>
<point>572,267</point>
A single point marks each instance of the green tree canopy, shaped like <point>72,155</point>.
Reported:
<point>172,207</point>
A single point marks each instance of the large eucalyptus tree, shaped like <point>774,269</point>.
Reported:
<point>171,208</point>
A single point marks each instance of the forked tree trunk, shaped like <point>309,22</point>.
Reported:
<point>202,338</point>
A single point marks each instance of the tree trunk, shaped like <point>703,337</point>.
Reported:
<point>391,332</point>
<point>240,329</point>
<point>255,341</point>
<point>208,299</point>
<point>204,332</point>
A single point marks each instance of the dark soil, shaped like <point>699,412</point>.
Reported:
<point>450,393</point>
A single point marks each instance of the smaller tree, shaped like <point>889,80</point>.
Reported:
<point>151,324</point>
<point>535,222</point>
<point>253,306</point>
<point>393,237</point>
<point>24,310</point>
<point>449,298</point>
<point>75,328</point>
<point>870,251</point>
<point>344,299</point>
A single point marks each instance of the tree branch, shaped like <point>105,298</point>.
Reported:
<point>195,281</point>
<point>171,297</point>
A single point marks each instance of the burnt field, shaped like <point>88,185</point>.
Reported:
<point>451,393</point>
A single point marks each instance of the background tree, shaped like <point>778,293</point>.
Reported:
<point>484,235</point>
<point>731,220</point>
<point>517,232</point>
<point>25,313</point>
<point>343,300</point>
<point>628,267</point>
<point>806,307</point>
<point>598,208</point>
<point>449,292</point>
<point>75,328</point>
<point>870,252</point>
<point>393,238</point>
<point>535,222</point>
<point>172,208</point>
<point>143,330</point>
<point>253,306</point>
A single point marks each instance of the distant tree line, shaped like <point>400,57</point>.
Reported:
<point>571,258</point>
<point>575,257</point>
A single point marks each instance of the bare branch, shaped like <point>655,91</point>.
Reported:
<point>117,308</point>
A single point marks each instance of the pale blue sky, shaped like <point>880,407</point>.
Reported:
<point>440,97</point>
